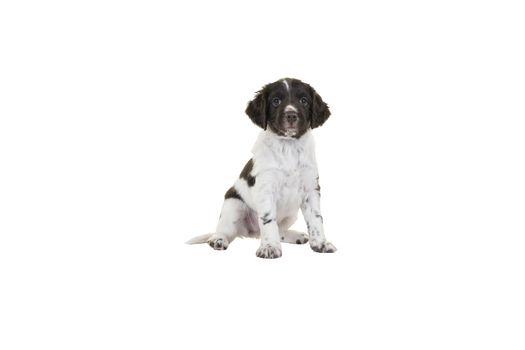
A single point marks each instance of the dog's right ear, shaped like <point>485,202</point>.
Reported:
<point>256,109</point>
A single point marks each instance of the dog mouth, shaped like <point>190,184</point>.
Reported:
<point>290,131</point>
<point>287,128</point>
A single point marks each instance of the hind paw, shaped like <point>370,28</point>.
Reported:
<point>218,243</point>
<point>294,237</point>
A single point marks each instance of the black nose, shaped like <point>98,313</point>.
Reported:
<point>291,116</point>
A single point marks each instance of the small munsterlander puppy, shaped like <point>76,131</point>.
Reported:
<point>282,176</point>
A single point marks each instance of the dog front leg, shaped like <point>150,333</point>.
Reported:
<point>314,222</point>
<point>270,240</point>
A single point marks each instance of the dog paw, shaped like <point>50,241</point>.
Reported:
<point>302,240</point>
<point>218,243</point>
<point>323,247</point>
<point>294,237</point>
<point>268,251</point>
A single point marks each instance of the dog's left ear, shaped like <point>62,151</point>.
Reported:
<point>320,111</point>
<point>256,109</point>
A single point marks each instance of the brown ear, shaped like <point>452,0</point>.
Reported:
<point>320,111</point>
<point>256,109</point>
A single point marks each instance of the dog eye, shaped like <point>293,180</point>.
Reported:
<point>276,101</point>
<point>304,101</point>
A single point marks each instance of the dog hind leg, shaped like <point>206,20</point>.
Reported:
<point>231,224</point>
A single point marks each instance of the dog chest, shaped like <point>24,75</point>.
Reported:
<point>292,189</point>
<point>287,167</point>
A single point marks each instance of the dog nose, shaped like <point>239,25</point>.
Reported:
<point>291,116</point>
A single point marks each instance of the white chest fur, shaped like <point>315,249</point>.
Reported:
<point>285,170</point>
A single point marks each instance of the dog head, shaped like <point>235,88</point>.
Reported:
<point>288,107</point>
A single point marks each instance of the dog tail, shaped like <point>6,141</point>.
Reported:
<point>199,239</point>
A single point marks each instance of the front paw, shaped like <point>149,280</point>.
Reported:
<point>218,243</point>
<point>269,251</point>
<point>322,247</point>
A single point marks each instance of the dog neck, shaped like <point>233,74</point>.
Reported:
<point>271,147</point>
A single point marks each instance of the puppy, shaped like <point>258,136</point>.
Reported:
<point>281,177</point>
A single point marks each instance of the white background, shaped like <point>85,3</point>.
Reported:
<point>122,125</point>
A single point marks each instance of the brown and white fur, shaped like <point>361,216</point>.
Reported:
<point>281,177</point>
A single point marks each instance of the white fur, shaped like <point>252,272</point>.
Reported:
<point>286,176</point>
<point>285,82</point>
<point>287,86</point>
<point>290,108</point>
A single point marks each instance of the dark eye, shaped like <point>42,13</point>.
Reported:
<point>276,101</point>
<point>304,101</point>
